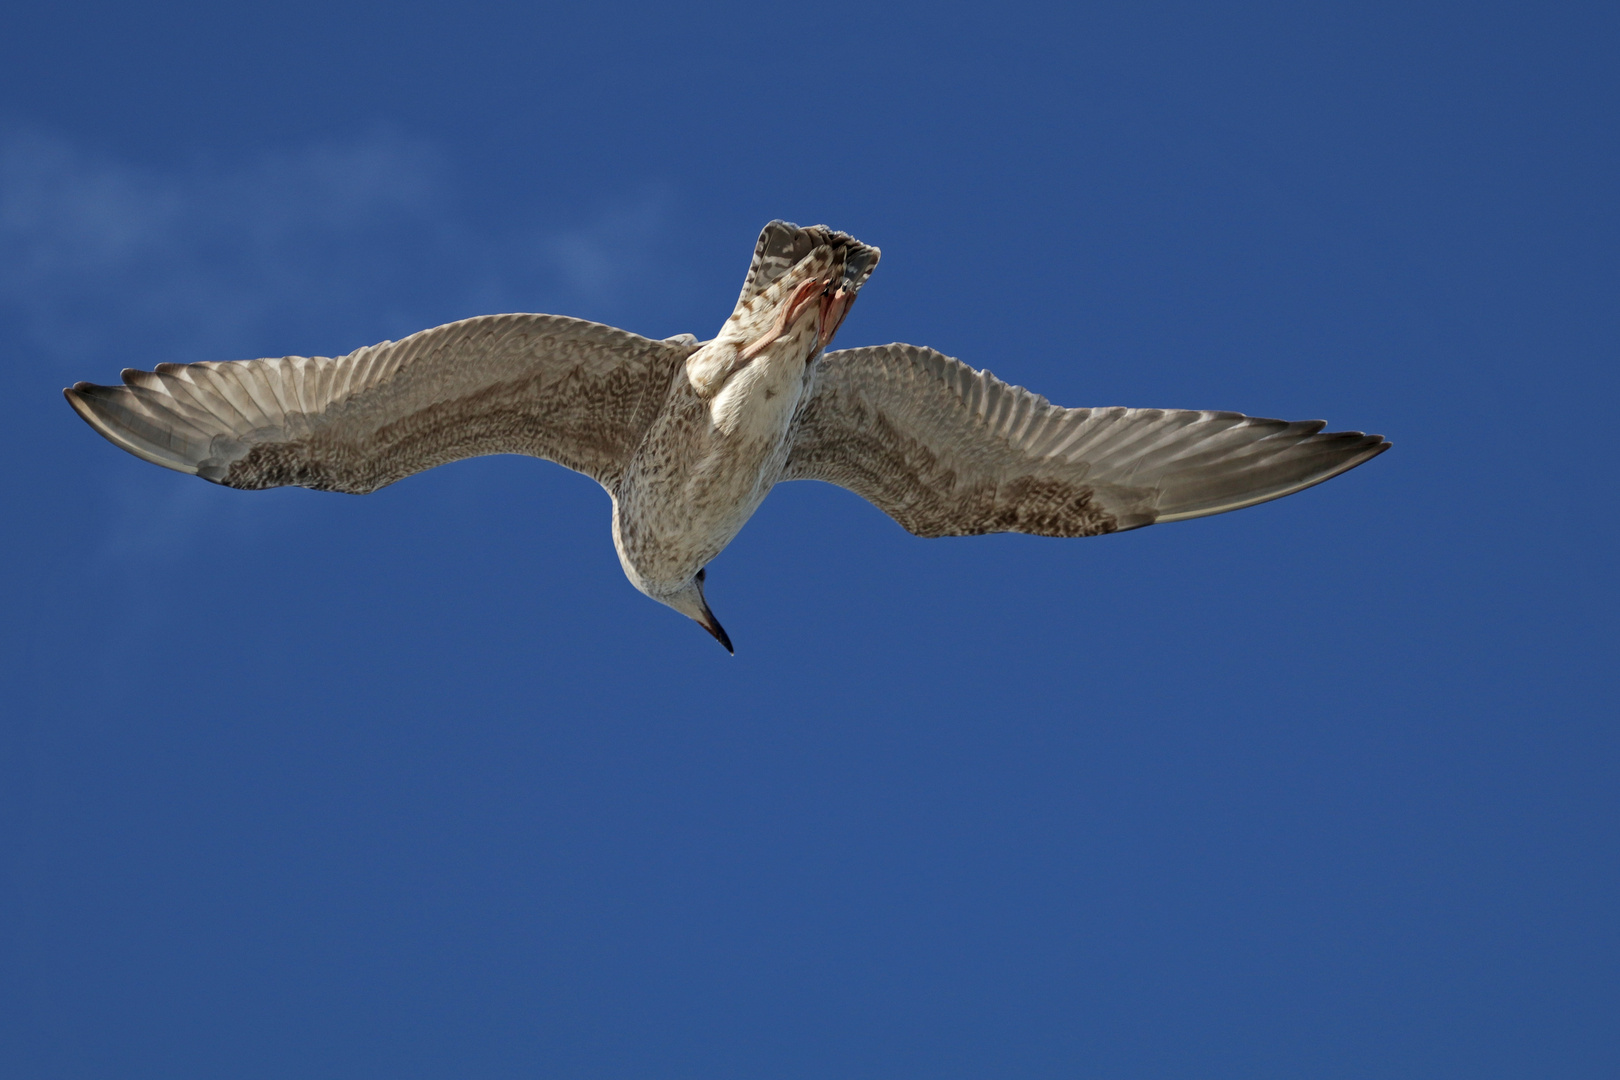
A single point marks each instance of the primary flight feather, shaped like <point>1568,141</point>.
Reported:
<point>689,437</point>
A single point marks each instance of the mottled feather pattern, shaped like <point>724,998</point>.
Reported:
<point>572,391</point>
<point>689,438</point>
<point>783,245</point>
<point>949,451</point>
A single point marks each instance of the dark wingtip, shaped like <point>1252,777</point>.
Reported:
<point>75,397</point>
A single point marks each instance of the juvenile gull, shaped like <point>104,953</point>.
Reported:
<point>689,437</point>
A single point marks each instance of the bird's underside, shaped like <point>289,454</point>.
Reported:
<point>688,437</point>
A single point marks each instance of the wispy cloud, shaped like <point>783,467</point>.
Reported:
<point>103,254</point>
<point>105,263</point>
<point>100,254</point>
<point>618,246</point>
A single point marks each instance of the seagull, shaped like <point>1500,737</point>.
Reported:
<point>688,437</point>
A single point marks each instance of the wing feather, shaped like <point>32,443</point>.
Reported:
<point>949,451</point>
<point>575,392</point>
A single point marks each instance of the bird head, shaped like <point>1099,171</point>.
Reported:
<point>689,602</point>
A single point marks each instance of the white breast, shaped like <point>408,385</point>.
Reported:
<point>758,402</point>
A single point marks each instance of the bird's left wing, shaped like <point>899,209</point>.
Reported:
<point>949,451</point>
<point>574,392</point>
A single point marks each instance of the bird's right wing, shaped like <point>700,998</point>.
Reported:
<point>949,451</point>
<point>574,392</point>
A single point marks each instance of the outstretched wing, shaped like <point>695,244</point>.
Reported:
<point>949,451</point>
<point>575,392</point>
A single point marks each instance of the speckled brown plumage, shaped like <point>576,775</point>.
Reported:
<point>591,425</point>
<point>949,451</point>
<point>863,451</point>
<point>572,391</point>
<point>688,438</point>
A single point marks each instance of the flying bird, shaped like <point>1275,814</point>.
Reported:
<point>688,437</point>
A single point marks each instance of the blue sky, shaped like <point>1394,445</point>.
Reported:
<point>416,785</point>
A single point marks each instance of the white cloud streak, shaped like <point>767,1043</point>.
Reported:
<point>106,264</point>
<point>98,255</point>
